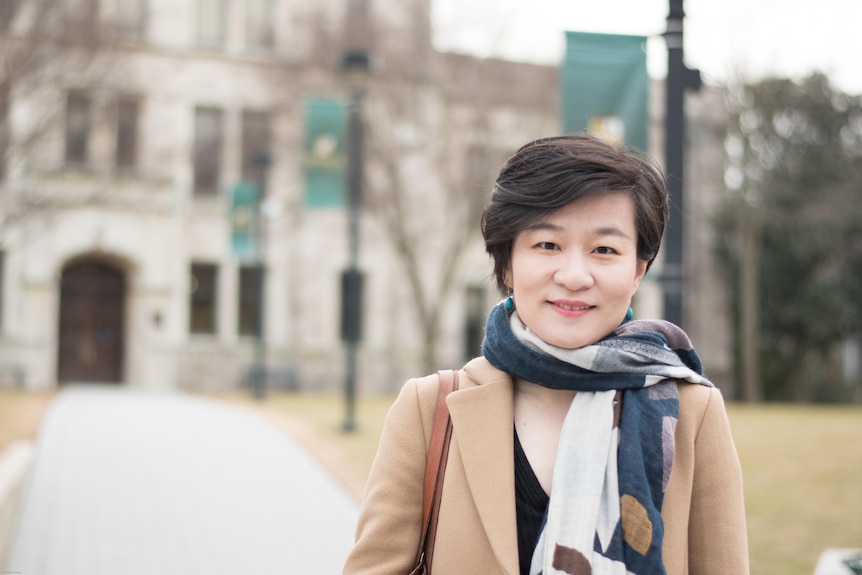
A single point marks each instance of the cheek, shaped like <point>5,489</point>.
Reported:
<point>523,272</point>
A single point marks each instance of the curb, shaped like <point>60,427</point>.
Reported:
<point>15,463</point>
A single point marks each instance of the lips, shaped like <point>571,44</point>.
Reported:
<point>571,308</point>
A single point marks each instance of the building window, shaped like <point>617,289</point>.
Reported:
<point>77,128</point>
<point>127,134</point>
<point>255,144</point>
<point>208,149</point>
<point>259,24</point>
<point>211,23</point>
<point>202,316</point>
<point>250,292</point>
<point>129,18</point>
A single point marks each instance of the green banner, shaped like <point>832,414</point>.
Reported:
<point>325,149</point>
<point>604,87</point>
<point>244,214</point>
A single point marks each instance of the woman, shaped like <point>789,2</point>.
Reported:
<point>582,442</point>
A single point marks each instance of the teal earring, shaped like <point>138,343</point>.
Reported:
<point>509,304</point>
<point>630,314</point>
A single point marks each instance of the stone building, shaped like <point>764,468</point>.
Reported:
<point>126,251</point>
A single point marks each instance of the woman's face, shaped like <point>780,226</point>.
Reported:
<point>573,274</point>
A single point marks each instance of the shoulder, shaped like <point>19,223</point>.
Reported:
<point>418,396</point>
<point>477,372</point>
<point>415,404</point>
<point>698,397</point>
<point>700,407</point>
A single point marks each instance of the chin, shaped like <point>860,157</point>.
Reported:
<point>569,344</point>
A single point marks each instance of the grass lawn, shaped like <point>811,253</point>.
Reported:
<point>802,467</point>
<point>20,414</point>
<point>802,464</point>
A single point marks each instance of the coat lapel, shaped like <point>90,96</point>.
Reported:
<point>483,423</point>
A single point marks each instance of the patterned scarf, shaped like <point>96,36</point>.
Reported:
<point>617,443</point>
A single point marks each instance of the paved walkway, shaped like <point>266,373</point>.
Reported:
<point>129,482</point>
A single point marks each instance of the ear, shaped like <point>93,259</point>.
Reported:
<point>507,278</point>
<point>640,272</point>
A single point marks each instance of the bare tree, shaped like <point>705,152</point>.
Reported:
<point>433,151</point>
<point>46,46</point>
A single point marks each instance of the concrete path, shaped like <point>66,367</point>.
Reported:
<point>129,482</point>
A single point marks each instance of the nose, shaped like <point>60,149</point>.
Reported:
<point>574,272</point>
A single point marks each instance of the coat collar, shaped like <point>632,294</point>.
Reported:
<point>483,429</point>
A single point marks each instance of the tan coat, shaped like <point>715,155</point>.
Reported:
<point>703,511</point>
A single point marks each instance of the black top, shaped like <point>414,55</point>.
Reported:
<point>530,504</point>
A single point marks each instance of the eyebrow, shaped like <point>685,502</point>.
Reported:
<point>539,226</point>
<point>548,226</point>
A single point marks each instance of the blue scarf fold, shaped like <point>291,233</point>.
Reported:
<point>604,512</point>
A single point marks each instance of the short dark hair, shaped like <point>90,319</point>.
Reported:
<point>550,173</point>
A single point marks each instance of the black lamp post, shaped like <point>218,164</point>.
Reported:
<point>355,65</point>
<point>679,78</point>
<point>262,161</point>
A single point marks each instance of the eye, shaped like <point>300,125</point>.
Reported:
<point>605,250</point>
<point>547,246</point>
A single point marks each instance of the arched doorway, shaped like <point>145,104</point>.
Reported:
<point>91,331</point>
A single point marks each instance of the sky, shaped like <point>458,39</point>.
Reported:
<point>727,40</point>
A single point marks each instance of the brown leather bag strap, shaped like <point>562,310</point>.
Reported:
<point>435,467</point>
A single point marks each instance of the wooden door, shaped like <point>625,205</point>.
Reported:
<point>92,301</point>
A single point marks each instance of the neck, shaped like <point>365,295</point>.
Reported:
<point>538,394</point>
<point>539,416</point>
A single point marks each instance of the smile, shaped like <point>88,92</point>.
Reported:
<point>574,308</point>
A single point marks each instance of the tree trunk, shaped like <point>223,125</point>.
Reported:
<point>749,302</point>
<point>429,348</point>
